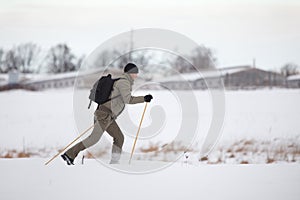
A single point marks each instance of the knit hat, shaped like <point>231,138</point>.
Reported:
<point>131,68</point>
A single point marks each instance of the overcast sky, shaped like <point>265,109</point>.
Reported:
<point>238,31</point>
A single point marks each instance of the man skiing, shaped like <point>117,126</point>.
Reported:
<point>106,114</point>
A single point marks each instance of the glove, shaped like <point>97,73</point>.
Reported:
<point>148,98</point>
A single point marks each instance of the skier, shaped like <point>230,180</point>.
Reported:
<point>106,114</point>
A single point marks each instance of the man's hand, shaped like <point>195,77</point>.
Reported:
<point>148,98</point>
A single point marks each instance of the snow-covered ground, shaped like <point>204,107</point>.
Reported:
<point>30,179</point>
<point>257,123</point>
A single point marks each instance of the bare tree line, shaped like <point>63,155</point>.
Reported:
<point>199,59</point>
<point>27,58</point>
<point>60,58</point>
<point>20,57</point>
<point>290,69</point>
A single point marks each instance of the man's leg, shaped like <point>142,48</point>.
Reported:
<point>95,136</point>
<point>118,137</point>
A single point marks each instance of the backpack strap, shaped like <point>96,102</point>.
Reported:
<point>113,98</point>
<point>90,104</point>
<point>117,95</point>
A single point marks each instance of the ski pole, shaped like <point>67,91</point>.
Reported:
<point>137,134</point>
<point>69,144</point>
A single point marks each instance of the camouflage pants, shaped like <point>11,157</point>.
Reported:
<point>103,122</point>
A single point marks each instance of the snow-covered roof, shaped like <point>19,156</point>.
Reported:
<point>232,70</point>
<point>30,78</point>
<point>293,77</point>
<point>46,77</point>
<point>205,74</point>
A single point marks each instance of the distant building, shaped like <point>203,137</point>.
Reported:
<point>42,82</point>
<point>240,77</point>
<point>83,79</point>
<point>13,77</point>
<point>253,78</point>
<point>293,81</point>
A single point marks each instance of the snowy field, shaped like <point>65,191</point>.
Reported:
<point>30,179</point>
<point>42,122</point>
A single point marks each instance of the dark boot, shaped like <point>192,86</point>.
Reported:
<point>66,158</point>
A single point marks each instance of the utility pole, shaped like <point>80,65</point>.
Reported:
<point>130,45</point>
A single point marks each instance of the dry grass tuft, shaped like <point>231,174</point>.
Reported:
<point>257,151</point>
